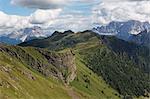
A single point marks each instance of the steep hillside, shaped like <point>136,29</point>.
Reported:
<point>123,65</point>
<point>33,73</point>
<point>119,71</point>
<point>17,81</point>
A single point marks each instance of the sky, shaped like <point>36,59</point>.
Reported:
<point>76,15</point>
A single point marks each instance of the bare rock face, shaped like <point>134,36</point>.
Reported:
<point>68,62</point>
<point>65,63</point>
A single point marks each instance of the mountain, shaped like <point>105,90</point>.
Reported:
<point>22,35</point>
<point>35,73</point>
<point>7,40</point>
<point>123,30</point>
<point>123,65</point>
<point>142,38</point>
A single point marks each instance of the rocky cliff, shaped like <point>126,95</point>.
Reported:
<point>58,65</point>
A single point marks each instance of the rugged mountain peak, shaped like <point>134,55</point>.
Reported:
<point>123,30</point>
<point>27,33</point>
<point>57,33</point>
<point>22,35</point>
<point>143,38</point>
<point>69,32</point>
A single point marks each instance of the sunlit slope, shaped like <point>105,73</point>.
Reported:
<point>22,77</point>
<point>123,65</point>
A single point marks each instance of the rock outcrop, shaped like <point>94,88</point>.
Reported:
<point>59,65</point>
<point>65,62</point>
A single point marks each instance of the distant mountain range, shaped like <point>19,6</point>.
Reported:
<point>22,35</point>
<point>135,31</point>
<point>82,65</point>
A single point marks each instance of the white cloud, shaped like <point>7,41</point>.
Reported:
<point>110,10</point>
<point>71,22</point>
<point>44,16</point>
<point>58,19</point>
<point>47,19</point>
<point>40,4</point>
<point>9,23</point>
<point>47,4</point>
<point>12,22</point>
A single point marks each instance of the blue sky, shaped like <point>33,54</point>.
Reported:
<point>76,15</point>
<point>6,7</point>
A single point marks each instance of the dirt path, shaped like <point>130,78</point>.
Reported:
<point>72,93</point>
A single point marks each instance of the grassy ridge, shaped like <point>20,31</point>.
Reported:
<point>19,81</point>
<point>123,65</point>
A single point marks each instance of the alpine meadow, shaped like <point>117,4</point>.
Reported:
<point>74,49</point>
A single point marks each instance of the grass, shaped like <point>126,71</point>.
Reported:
<point>16,85</point>
<point>19,81</point>
<point>90,85</point>
<point>123,65</point>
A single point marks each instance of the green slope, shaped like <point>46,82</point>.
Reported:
<point>123,65</point>
<point>26,73</point>
<point>59,41</point>
<point>119,71</point>
<point>19,82</point>
<point>90,85</point>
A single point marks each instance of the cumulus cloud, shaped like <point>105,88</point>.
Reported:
<point>63,19</point>
<point>44,16</point>
<point>50,20</point>
<point>9,23</point>
<point>12,22</point>
<point>71,22</point>
<point>41,4</point>
<point>47,4</point>
<point>121,11</point>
